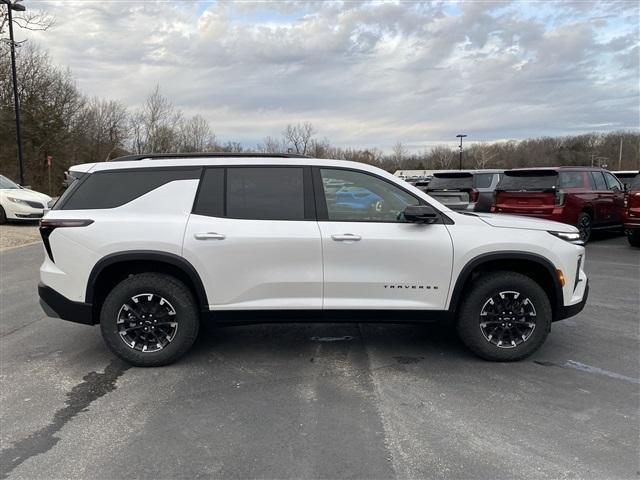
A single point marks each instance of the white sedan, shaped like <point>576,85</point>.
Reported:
<point>18,203</point>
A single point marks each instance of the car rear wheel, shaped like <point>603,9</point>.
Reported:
<point>633,236</point>
<point>506,317</point>
<point>149,319</point>
<point>584,226</point>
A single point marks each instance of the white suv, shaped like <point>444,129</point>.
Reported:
<point>150,246</point>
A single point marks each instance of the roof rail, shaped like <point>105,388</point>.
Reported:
<point>164,156</point>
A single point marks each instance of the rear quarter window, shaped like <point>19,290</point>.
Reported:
<point>482,180</point>
<point>114,188</point>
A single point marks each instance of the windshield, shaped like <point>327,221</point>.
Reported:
<point>451,181</point>
<point>529,180</point>
<point>6,183</point>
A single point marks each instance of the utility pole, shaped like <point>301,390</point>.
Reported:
<point>460,136</point>
<point>16,102</point>
<point>620,156</point>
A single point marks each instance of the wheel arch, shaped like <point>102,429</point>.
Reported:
<point>111,269</point>
<point>536,267</point>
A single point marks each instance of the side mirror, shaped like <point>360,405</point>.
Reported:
<point>420,214</point>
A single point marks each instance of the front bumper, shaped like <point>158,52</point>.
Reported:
<point>572,310</point>
<point>56,305</point>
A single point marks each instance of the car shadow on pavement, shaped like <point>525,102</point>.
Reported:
<point>407,343</point>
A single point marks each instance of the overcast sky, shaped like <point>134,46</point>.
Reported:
<point>364,73</point>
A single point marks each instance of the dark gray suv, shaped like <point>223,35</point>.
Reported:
<point>469,190</point>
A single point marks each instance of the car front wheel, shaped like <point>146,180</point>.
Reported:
<point>506,316</point>
<point>149,319</point>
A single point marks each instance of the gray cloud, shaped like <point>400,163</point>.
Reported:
<point>364,73</point>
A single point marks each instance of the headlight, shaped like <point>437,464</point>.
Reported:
<point>571,237</point>
<point>18,201</point>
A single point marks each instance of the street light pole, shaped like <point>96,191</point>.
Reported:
<point>16,101</point>
<point>460,136</point>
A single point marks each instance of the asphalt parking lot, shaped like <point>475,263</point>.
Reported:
<point>324,401</point>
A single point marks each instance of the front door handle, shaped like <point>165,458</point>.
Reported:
<point>346,237</point>
<point>209,236</point>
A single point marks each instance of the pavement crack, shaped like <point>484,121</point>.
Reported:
<point>93,386</point>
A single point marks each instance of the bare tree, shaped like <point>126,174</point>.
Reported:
<point>156,125</point>
<point>483,154</point>
<point>28,20</point>
<point>196,135</point>
<point>298,137</point>
<point>399,152</point>
<point>271,145</point>
<point>441,157</point>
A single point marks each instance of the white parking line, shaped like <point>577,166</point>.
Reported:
<point>599,371</point>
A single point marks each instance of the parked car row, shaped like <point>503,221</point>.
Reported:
<point>589,198</point>
<point>20,203</point>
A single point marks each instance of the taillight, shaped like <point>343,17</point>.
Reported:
<point>47,226</point>
<point>559,197</point>
<point>473,195</point>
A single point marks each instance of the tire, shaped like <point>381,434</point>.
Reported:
<point>477,310</point>
<point>156,342</point>
<point>633,237</point>
<point>3,216</point>
<point>585,226</point>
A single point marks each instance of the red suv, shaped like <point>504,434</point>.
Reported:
<point>589,198</point>
<point>632,211</point>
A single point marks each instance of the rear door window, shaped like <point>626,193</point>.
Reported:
<point>571,180</point>
<point>598,180</point>
<point>265,193</point>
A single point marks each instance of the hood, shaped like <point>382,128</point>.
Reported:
<point>502,220</point>
<point>25,194</point>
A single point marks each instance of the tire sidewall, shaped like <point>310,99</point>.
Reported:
<point>468,322</point>
<point>171,289</point>
<point>588,233</point>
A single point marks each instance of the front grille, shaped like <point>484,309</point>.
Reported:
<point>34,204</point>
<point>29,215</point>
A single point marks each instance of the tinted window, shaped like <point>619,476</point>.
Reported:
<point>528,180</point>
<point>482,180</point>
<point>635,183</point>
<point>265,193</point>
<point>110,189</point>
<point>359,197</point>
<point>612,182</point>
<point>598,180</point>
<point>210,199</point>
<point>571,180</point>
<point>451,181</point>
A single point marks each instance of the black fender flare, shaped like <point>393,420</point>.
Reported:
<point>481,259</point>
<point>153,256</point>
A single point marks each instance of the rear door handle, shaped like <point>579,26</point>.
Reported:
<point>346,237</point>
<point>209,236</point>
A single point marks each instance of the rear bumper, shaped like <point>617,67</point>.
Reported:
<point>572,310</point>
<point>56,305</point>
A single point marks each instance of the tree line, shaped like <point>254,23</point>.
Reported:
<point>61,122</point>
